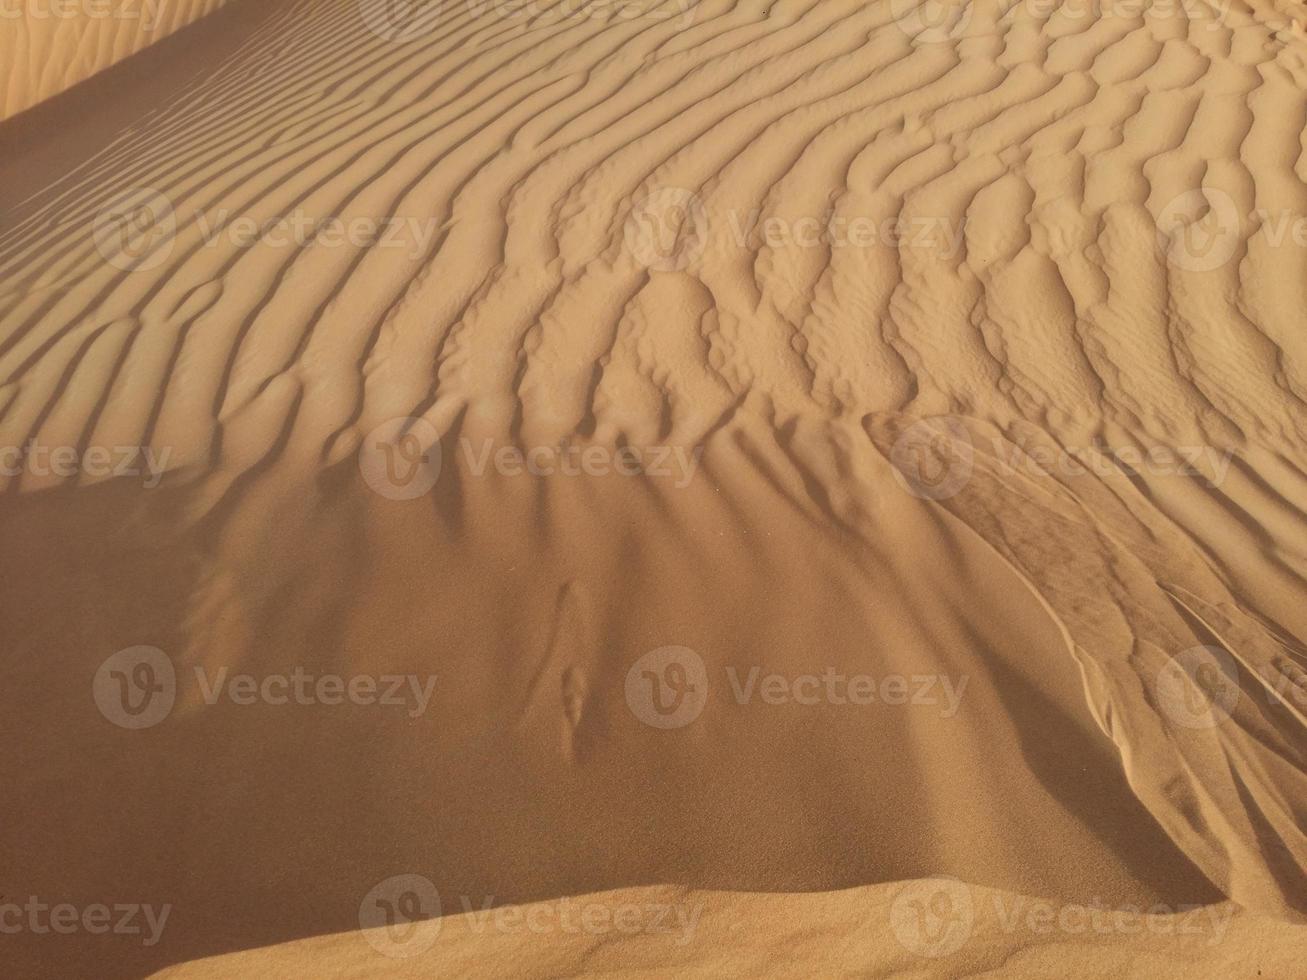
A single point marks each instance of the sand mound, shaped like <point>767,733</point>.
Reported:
<point>873,931</point>
<point>804,445</point>
<point>46,46</point>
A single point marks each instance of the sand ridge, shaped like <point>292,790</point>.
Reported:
<point>1016,287</point>
<point>46,46</point>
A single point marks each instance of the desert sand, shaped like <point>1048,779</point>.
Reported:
<point>807,487</point>
<point>47,46</point>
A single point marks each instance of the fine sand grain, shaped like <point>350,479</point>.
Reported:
<point>477,474</point>
<point>48,45</point>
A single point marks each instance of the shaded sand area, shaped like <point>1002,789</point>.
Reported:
<point>46,46</point>
<point>740,459</point>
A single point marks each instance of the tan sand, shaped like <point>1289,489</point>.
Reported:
<point>741,459</point>
<point>46,46</point>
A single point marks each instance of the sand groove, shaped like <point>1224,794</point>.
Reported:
<point>599,237</point>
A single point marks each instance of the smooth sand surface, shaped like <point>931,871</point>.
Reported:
<point>909,403</point>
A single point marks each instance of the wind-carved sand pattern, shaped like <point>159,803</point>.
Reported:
<point>917,284</point>
<point>48,45</point>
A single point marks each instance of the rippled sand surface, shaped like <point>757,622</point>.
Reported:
<point>809,487</point>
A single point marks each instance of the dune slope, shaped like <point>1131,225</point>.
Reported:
<point>46,46</point>
<point>957,346</point>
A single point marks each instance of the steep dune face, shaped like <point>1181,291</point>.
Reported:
<point>46,46</point>
<point>955,343</point>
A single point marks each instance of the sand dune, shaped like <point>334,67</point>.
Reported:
<point>48,45</point>
<point>845,933</point>
<point>638,384</point>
